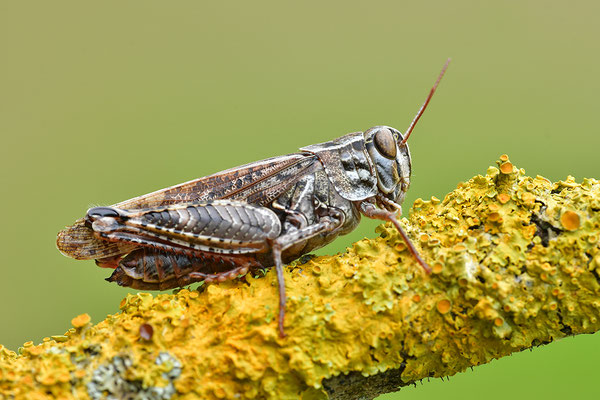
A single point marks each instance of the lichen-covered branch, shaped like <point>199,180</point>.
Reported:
<point>516,263</point>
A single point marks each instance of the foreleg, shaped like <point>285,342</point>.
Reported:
<point>370,211</point>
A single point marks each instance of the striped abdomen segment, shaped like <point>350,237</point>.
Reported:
<point>221,226</point>
<point>151,269</point>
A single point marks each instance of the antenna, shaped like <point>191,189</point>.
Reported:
<point>424,106</point>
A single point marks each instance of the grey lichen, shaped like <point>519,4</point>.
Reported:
<point>111,382</point>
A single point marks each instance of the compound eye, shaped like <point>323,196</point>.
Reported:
<point>385,143</point>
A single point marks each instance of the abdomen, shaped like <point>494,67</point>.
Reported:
<point>152,269</point>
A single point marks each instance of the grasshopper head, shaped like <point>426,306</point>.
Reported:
<point>391,159</point>
<point>389,152</point>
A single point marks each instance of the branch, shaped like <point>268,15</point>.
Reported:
<point>516,264</point>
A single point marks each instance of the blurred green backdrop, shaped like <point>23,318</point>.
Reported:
<point>103,101</point>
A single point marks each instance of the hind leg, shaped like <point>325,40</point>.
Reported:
<point>330,222</point>
<point>221,276</point>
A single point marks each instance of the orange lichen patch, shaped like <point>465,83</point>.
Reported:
<point>546,266</point>
<point>63,377</point>
<point>416,298</point>
<point>434,242</point>
<point>503,198</point>
<point>506,168</point>
<point>80,373</point>
<point>555,291</point>
<point>437,268</point>
<point>10,376</point>
<point>444,306</point>
<point>570,220</point>
<point>529,231</point>
<point>493,216</point>
<point>424,238</point>
<point>81,320</point>
<point>47,380</point>
<point>504,157</point>
<point>27,380</point>
<point>36,350</point>
<point>473,221</point>
<point>498,321</point>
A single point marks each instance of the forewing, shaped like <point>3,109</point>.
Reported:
<point>235,183</point>
<point>257,183</point>
<point>78,241</point>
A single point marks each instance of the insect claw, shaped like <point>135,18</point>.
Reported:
<point>282,334</point>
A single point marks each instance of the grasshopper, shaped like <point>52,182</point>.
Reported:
<point>258,215</point>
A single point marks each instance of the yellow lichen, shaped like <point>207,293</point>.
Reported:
<point>81,320</point>
<point>506,167</point>
<point>501,246</point>
<point>570,220</point>
<point>444,306</point>
<point>503,198</point>
<point>437,268</point>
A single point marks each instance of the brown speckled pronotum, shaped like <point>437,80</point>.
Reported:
<point>255,216</point>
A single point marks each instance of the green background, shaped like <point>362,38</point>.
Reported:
<point>103,101</point>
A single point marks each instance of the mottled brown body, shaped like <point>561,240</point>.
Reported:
<point>294,209</point>
<point>258,215</point>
